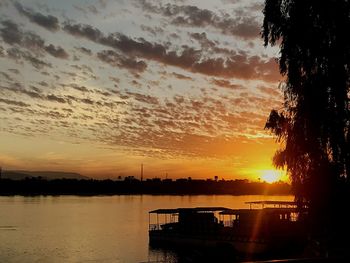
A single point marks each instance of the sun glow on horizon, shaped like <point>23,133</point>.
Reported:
<point>272,176</point>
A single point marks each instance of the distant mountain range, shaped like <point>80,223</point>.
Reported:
<point>49,175</point>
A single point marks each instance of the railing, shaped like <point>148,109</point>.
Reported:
<point>153,227</point>
<point>228,223</point>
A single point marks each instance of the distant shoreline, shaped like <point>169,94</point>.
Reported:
<point>39,186</point>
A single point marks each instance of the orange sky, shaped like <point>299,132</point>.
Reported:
<point>100,87</point>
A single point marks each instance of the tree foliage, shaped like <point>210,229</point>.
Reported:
<point>313,127</point>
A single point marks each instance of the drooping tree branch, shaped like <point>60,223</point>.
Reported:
<point>314,126</point>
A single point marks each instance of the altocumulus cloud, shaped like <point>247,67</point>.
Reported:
<point>238,65</point>
<point>48,22</point>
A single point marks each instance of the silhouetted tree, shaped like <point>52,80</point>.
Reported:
<point>313,126</point>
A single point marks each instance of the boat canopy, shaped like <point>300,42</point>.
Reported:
<point>264,210</point>
<point>194,209</point>
<point>280,204</point>
<point>223,210</point>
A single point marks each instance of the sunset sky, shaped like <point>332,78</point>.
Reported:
<point>100,86</point>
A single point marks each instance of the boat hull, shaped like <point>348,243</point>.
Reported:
<point>239,245</point>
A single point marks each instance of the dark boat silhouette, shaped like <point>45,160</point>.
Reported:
<point>276,226</point>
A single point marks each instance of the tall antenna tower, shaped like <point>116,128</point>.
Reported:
<point>141,172</point>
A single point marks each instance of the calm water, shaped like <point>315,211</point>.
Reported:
<point>91,229</point>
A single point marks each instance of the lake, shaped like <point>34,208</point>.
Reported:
<point>92,229</point>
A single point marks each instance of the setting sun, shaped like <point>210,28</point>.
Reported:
<point>271,176</point>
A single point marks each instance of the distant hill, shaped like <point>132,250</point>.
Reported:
<point>49,175</point>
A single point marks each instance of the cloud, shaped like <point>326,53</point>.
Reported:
<point>79,88</point>
<point>57,52</point>
<point>2,51</point>
<point>87,9</point>
<point>3,3</point>
<point>54,98</point>
<point>211,47</point>
<point>84,68</point>
<point>225,84</point>
<point>18,54</point>
<point>87,101</point>
<point>179,99</point>
<point>103,93</point>
<point>43,84</point>
<point>6,76</point>
<point>148,99</point>
<point>48,22</point>
<point>37,63</point>
<point>14,102</point>
<point>180,76</point>
<point>192,127</point>
<point>238,65</point>
<point>203,40</point>
<point>84,50</point>
<point>81,30</point>
<point>119,109</point>
<point>19,89</point>
<point>12,34</point>
<point>116,60</point>
<point>192,16</point>
<point>14,71</point>
<point>153,30</point>
<point>70,74</point>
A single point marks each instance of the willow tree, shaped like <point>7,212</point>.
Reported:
<point>313,127</point>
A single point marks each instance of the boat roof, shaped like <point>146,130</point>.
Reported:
<point>264,210</point>
<point>194,209</point>
<point>278,203</point>
<point>289,203</point>
<point>223,210</point>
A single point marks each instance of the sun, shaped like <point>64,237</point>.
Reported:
<point>272,176</point>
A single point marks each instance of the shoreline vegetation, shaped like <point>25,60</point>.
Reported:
<point>130,186</point>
